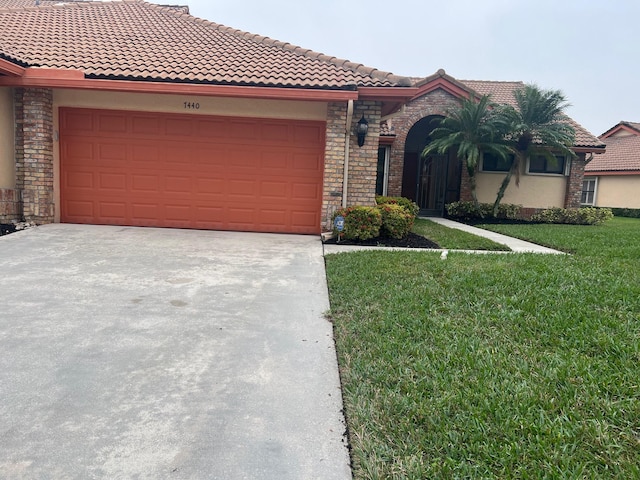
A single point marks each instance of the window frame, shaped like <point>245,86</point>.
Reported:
<point>483,169</point>
<point>593,192</point>
<point>385,180</point>
<point>565,168</point>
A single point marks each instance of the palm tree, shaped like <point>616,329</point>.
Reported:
<point>537,127</point>
<point>472,128</point>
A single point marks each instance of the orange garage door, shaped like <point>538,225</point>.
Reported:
<point>187,171</point>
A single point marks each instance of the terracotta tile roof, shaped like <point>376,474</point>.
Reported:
<point>630,128</point>
<point>135,40</point>
<point>502,92</point>
<point>623,154</point>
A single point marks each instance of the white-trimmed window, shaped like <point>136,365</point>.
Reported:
<point>382,179</point>
<point>493,163</point>
<point>589,186</point>
<point>542,165</point>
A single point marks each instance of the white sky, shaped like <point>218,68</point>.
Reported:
<point>586,48</point>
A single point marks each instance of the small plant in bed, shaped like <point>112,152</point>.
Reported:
<point>388,224</point>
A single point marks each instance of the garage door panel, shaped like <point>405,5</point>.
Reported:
<point>79,180</point>
<point>144,183</point>
<point>304,220</point>
<point>305,191</point>
<point>115,183</point>
<point>114,211</point>
<point>80,209</point>
<point>212,128</point>
<point>79,121</point>
<point>112,123</point>
<point>78,152</point>
<point>179,127</point>
<point>110,152</point>
<point>145,153</point>
<point>180,185</point>
<point>145,125</point>
<point>190,171</point>
<point>308,135</point>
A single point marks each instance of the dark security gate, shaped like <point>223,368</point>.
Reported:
<point>431,185</point>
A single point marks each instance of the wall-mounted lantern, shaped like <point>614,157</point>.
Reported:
<point>361,130</point>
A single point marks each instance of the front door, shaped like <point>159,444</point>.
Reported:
<point>431,184</point>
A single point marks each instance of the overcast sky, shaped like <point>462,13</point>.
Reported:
<point>586,48</point>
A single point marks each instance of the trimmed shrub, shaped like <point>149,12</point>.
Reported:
<point>397,222</point>
<point>574,216</point>
<point>411,206</point>
<point>626,212</point>
<point>360,223</point>
<point>469,211</point>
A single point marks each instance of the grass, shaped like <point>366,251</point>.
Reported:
<point>516,366</point>
<point>454,239</point>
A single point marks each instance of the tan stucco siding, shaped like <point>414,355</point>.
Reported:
<point>236,107</point>
<point>535,191</point>
<point>7,147</point>
<point>191,105</point>
<point>621,191</point>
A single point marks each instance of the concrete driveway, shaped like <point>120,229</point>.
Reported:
<point>156,353</point>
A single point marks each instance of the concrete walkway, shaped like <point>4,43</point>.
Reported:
<point>167,354</point>
<point>516,245</point>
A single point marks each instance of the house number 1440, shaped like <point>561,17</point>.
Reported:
<point>191,106</point>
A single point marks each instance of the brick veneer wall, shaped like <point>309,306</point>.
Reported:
<point>10,205</point>
<point>333,161</point>
<point>436,102</point>
<point>573,192</point>
<point>363,161</point>
<point>34,153</point>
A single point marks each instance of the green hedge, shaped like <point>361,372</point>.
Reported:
<point>469,211</point>
<point>626,212</point>
<point>574,216</point>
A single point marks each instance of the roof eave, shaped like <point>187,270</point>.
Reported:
<point>586,149</point>
<point>605,173</point>
<point>75,79</point>
<point>10,69</point>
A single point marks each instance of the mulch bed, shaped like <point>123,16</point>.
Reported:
<point>6,229</point>
<point>410,241</point>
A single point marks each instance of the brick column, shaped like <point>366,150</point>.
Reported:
<point>34,153</point>
<point>573,192</point>
<point>363,161</point>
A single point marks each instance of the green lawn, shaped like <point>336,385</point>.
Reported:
<point>494,366</point>
<point>454,239</point>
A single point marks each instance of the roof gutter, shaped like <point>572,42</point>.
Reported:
<point>11,69</point>
<point>75,79</point>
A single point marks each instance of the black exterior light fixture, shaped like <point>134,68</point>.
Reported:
<point>361,130</point>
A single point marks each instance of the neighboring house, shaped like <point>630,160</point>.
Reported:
<point>613,179</point>
<point>130,113</point>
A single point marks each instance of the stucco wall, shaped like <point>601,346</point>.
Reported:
<point>535,191</point>
<point>192,105</point>
<point>618,191</point>
<point>7,157</point>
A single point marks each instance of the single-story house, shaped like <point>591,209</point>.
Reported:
<point>131,113</point>
<point>437,180</point>
<point>613,179</point>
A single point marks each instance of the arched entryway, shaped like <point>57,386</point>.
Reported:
<point>432,181</point>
